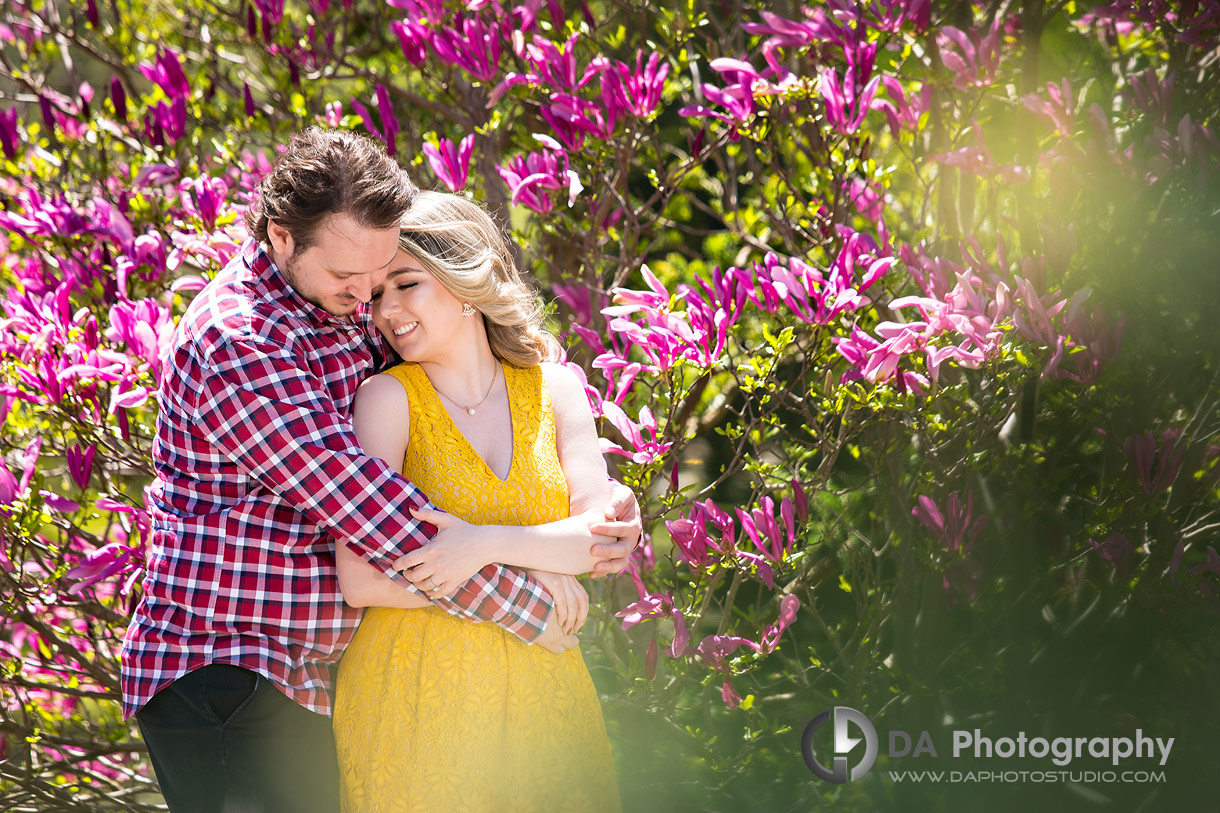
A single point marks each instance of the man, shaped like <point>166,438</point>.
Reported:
<point>227,662</point>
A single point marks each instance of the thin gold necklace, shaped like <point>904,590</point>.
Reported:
<point>495,373</point>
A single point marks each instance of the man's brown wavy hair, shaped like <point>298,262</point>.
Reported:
<point>325,172</point>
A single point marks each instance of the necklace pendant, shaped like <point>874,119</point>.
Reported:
<point>469,410</point>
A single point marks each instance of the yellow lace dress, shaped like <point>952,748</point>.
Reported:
<point>437,714</point>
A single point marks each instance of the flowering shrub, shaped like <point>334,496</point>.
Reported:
<point>894,313</point>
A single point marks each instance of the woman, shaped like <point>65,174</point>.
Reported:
<point>433,712</point>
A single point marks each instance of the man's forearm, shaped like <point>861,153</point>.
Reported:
<point>507,597</point>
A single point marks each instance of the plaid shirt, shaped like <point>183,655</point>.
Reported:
<point>259,474</point>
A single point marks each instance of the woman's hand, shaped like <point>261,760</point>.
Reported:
<point>623,525</point>
<point>571,599</point>
<point>454,555</point>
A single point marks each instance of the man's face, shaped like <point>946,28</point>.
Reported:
<point>341,268</point>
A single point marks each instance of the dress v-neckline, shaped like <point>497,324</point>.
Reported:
<point>453,427</point>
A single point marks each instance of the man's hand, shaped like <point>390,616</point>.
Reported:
<point>448,561</point>
<point>553,638</point>
<point>624,524</point>
<point>571,600</point>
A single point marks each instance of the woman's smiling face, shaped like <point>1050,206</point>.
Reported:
<point>417,315</point>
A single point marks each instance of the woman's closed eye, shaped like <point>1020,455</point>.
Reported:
<point>398,287</point>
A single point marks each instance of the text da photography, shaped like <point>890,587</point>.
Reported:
<point>841,744</point>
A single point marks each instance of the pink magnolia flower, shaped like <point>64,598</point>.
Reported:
<point>59,503</point>
<point>651,605</point>
<point>891,15</point>
<point>272,11</point>
<point>9,139</point>
<point>957,528</point>
<point>642,437</point>
<point>145,327</point>
<point>967,311</point>
<point>716,649</point>
<point>820,26</point>
<point>471,44</point>
<point>156,175</point>
<point>698,333</point>
<point>450,163</point>
<point>650,660</point>
<point>620,374</point>
<point>167,73</point>
<point>580,299</point>
<point>118,98</point>
<point>571,118</point>
<point>689,536</point>
<point>387,130</point>
<point>1096,341</point>
<point>552,66</point>
<point>529,175</point>
<point>972,58</point>
<point>167,120</point>
<point>811,294</point>
<point>902,110</point>
<point>333,115</point>
<point>692,534</point>
<point>864,197</point>
<point>414,37</point>
<point>1155,467</point>
<point>680,647</point>
<point>556,66</point>
<point>761,527</point>
<point>1116,550</point>
<point>389,121</point>
<point>80,464</point>
<point>1114,18</point>
<point>875,362</point>
<point>1154,95</point>
<point>205,197</point>
<point>105,562</point>
<point>761,565</point>
<point>788,608</point>
<point>1058,109</point>
<point>847,101</point>
<point>640,89</point>
<point>12,488</point>
<point>738,96</point>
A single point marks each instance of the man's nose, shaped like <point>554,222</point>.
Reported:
<point>361,288</point>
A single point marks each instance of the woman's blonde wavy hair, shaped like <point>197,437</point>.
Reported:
<point>457,242</point>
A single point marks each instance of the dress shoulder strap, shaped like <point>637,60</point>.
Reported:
<point>414,381</point>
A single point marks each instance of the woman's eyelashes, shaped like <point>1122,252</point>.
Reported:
<point>376,297</point>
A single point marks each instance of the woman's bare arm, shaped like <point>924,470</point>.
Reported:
<point>576,440</point>
<point>381,420</point>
